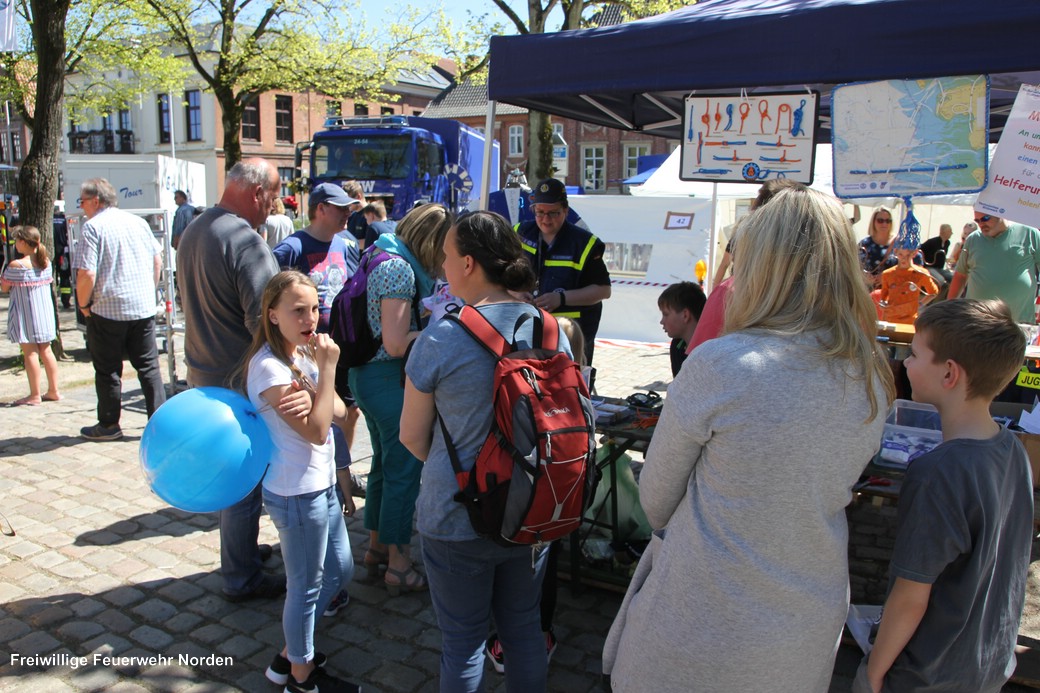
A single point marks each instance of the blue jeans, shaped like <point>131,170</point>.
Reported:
<point>240,563</point>
<point>393,479</point>
<point>316,552</point>
<point>470,581</point>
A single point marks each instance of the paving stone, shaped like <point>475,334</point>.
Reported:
<point>155,610</point>
<point>36,642</point>
<point>183,622</point>
<point>12,628</point>
<point>79,631</point>
<point>123,595</point>
<point>152,638</point>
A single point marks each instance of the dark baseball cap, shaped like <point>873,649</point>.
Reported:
<point>332,194</point>
<point>549,192</point>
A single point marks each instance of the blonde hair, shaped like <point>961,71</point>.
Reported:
<point>30,235</point>
<point>799,272</point>
<point>873,218</point>
<point>266,331</point>
<point>423,230</point>
<point>576,338</point>
<point>279,206</point>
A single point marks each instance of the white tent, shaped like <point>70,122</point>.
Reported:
<point>733,198</point>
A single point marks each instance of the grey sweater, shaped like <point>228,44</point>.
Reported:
<point>222,268</point>
<point>745,584</point>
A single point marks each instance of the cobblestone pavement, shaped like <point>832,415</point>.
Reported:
<point>100,567</point>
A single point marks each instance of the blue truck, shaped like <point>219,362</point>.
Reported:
<point>402,160</point>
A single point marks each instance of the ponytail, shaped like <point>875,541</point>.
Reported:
<point>30,235</point>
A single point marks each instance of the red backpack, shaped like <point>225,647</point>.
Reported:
<point>535,474</point>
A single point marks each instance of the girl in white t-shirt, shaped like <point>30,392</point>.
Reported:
<point>299,487</point>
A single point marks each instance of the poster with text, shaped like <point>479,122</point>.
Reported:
<point>910,137</point>
<point>749,139</point>
<point>1013,192</point>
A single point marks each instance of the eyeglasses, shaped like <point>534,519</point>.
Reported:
<point>551,215</point>
<point>984,217</point>
<point>883,221</point>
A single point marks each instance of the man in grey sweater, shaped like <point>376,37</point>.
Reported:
<point>223,266</point>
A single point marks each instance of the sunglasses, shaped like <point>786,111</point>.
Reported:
<point>883,221</point>
<point>985,217</point>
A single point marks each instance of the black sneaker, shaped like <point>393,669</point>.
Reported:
<point>281,667</point>
<point>320,682</point>
<point>337,603</point>
<point>101,432</point>
<point>270,586</point>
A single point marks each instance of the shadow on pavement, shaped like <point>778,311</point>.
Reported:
<point>167,522</point>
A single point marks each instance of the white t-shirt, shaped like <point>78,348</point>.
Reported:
<point>297,467</point>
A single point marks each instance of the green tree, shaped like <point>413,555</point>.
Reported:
<point>241,49</point>
<point>96,40</point>
<point>575,14</point>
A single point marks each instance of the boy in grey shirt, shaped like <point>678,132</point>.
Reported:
<point>961,559</point>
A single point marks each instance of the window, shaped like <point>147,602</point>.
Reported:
<point>106,122</point>
<point>333,109</point>
<point>480,129</point>
<point>164,118</point>
<point>251,120</point>
<point>124,119</point>
<point>516,140</point>
<point>3,151</point>
<point>288,175</point>
<point>360,109</point>
<point>16,146</point>
<point>417,113</point>
<point>193,114</point>
<point>594,166</point>
<point>283,115</point>
<point>632,152</point>
<point>386,110</point>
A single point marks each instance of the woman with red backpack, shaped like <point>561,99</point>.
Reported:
<point>450,374</point>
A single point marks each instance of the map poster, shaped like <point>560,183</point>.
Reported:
<point>1013,192</point>
<point>910,137</point>
<point>749,139</point>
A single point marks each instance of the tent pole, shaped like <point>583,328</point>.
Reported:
<point>489,140</point>
<point>713,235</point>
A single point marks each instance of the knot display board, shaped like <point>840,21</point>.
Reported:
<point>749,139</point>
<point>910,137</point>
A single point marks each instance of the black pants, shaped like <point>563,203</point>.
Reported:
<point>108,341</point>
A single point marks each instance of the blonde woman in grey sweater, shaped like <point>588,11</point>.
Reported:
<point>763,434</point>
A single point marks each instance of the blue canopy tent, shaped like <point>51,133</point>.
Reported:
<point>634,76</point>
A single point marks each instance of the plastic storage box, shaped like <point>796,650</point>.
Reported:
<point>911,429</point>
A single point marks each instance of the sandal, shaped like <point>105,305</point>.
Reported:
<point>373,560</point>
<point>410,580</point>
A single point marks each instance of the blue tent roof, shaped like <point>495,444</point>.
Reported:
<point>635,75</point>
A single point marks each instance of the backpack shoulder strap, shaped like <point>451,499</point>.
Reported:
<point>481,330</point>
<point>545,332</point>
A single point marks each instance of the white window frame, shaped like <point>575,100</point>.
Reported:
<point>591,154</point>
<point>516,140</point>
<point>630,152</point>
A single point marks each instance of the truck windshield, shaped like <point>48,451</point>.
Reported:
<point>363,157</point>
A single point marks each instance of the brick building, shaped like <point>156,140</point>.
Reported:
<point>595,157</point>
<point>271,126</point>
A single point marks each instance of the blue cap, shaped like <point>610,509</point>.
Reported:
<point>332,194</point>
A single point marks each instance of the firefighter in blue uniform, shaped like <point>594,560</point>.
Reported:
<point>573,280</point>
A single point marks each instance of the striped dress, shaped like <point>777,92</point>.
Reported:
<point>30,317</point>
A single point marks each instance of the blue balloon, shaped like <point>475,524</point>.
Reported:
<point>205,449</point>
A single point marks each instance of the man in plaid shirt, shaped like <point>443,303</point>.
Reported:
<point>118,262</point>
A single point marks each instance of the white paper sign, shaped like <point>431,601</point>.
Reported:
<point>750,139</point>
<point>1013,192</point>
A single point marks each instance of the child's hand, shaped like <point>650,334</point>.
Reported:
<point>349,508</point>
<point>326,351</point>
<point>298,403</point>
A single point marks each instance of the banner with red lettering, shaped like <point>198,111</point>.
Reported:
<point>1013,190</point>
